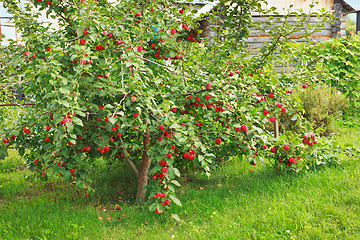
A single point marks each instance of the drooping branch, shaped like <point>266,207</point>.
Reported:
<point>127,159</point>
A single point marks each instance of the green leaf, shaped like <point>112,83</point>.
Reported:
<point>177,172</point>
<point>21,151</point>
<point>250,135</point>
<point>112,120</point>
<point>166,105</point>
<point>175,217</point>
<point>77,121</point>
<point>80,113</point>
<point>155,169</point>
<point>175,126</point>
<point>63,102</point>
<point>47,146</point>
<point>83,175</point>
<point>175,183</point>
<point>152,207</point>
<point>175,200</point>
<point>67,176</point>
<point>64,90</point>
<point>171,173</point>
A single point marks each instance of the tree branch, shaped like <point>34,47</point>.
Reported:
<point>126,156</point>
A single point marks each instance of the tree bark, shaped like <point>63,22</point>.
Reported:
<point>144,170</point>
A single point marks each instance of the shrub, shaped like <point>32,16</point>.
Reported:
<point>322,104</point>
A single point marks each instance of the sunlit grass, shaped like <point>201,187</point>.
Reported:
<point>239,201</point>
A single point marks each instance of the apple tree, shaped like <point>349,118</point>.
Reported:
<point>132,81</point>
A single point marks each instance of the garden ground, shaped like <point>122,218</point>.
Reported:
<point>238,202</point>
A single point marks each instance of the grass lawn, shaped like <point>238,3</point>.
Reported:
<point>238,202</point>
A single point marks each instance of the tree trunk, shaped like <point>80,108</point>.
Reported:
<point>144,170</point>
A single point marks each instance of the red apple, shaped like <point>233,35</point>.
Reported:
<point>244,128</point>
<point>99,47</point>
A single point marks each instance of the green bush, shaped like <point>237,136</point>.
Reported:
<point>11,163</point>
<point>340,57</point>
<point>322,105</point>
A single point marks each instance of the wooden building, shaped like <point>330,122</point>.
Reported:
<point>7,27</point>
<point>257,38</point>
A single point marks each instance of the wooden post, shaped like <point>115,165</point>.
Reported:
<point>357,22</point>
<point>276,129</point>
<point>338,7</point>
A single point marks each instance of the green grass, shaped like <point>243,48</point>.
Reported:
<point>347,132</point>
<point>238,202</point>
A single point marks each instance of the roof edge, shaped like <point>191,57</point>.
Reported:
<point>346,6</point>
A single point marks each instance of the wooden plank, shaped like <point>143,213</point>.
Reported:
<point>298,38</point>
<point>259,33</point>
<point>261,19</point>
<point>327,25</point>
<point>283,5</point>
<point>17,105</point>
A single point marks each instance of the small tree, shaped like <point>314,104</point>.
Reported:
<point>131,81</point>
